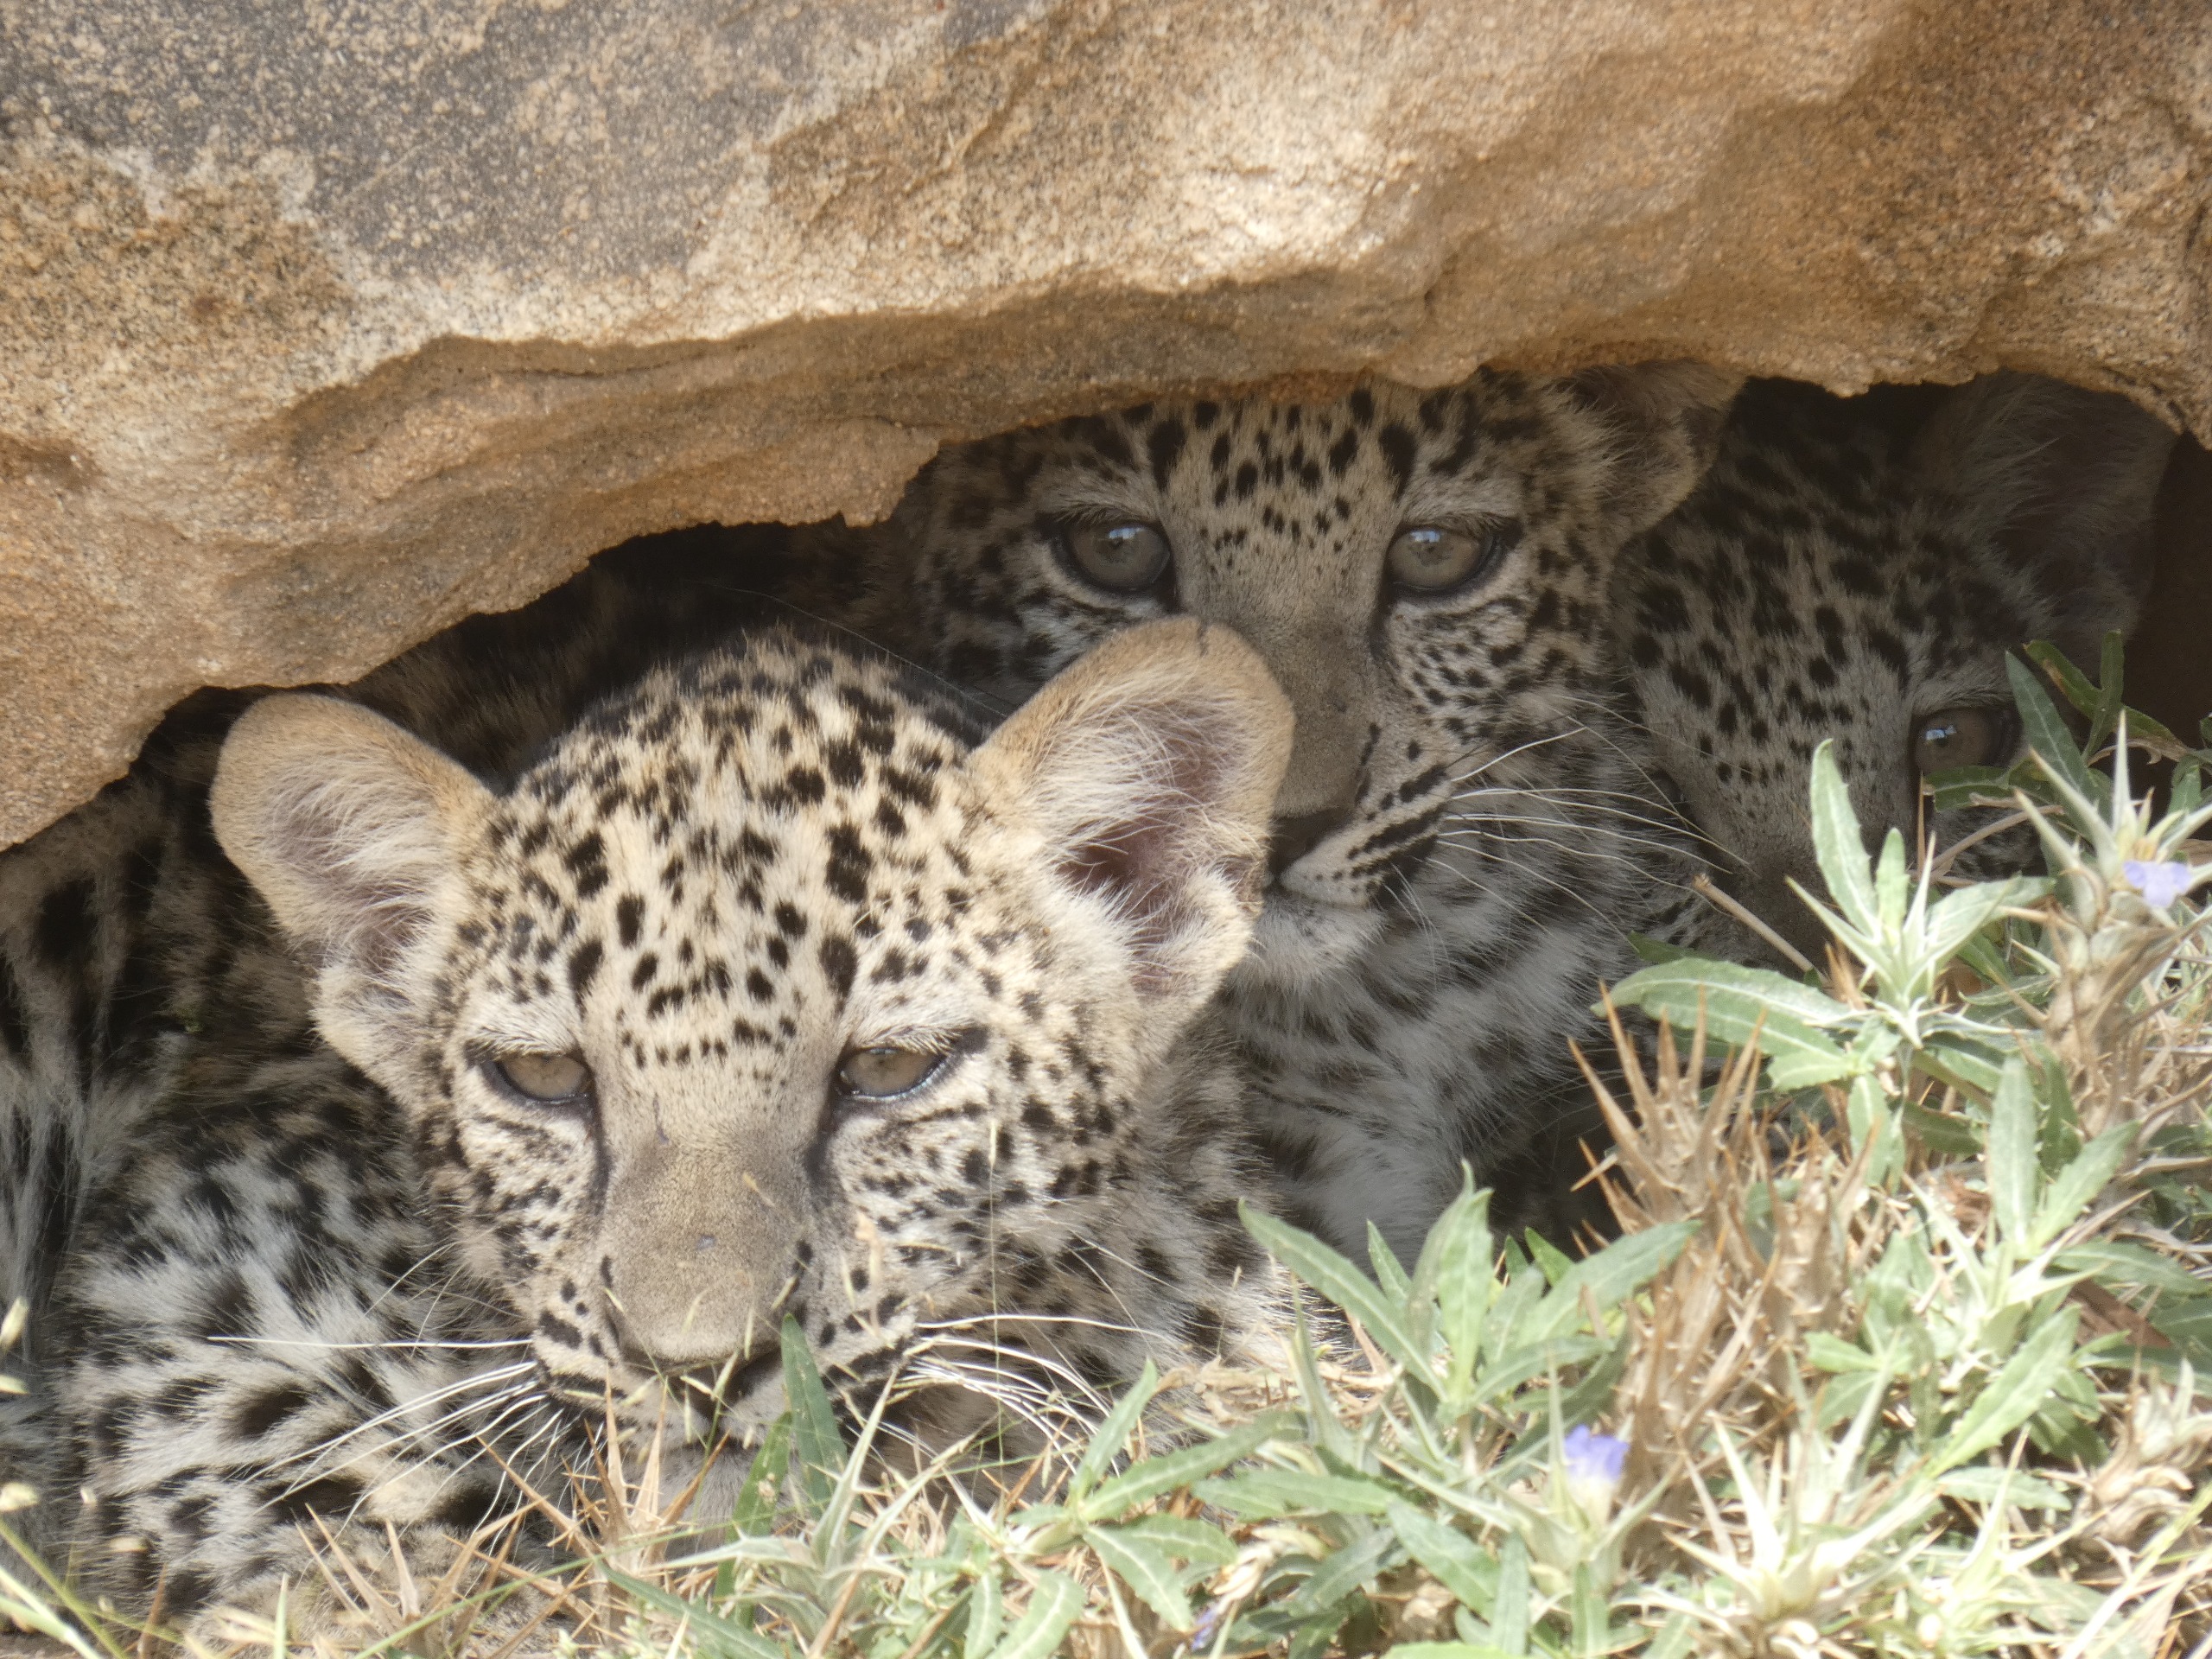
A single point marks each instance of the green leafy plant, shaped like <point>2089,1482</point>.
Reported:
<point>1898,1351</point>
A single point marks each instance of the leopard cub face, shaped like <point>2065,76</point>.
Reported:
<point>770,992</point>
<point>1424,572</point>
<point>1856,572</point>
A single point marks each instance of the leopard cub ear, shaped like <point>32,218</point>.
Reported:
<point>353,830</point>
<point>2065,481</point>
<point>1147,772</point>
<point>1663,421</point>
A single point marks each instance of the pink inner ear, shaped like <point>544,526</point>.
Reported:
<point>1143,860</point>
<point>392,918</point>
<point>377,914</point>
<point>1135,868</point>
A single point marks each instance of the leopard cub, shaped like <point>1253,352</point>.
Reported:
<point>1468,833</point>
<point>775,991</point>
<point>1856,569</point>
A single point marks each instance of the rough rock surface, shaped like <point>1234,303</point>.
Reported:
<point>324,324</point>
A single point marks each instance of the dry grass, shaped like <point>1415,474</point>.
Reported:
<point>1897,1353</point>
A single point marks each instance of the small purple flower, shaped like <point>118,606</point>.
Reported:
<point>2159,884</point>
<point>1209,1619</point>
<point>1592,1465</point>
<point>1594,1458</point>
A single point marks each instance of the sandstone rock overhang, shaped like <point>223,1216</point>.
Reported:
<point>324,326</point>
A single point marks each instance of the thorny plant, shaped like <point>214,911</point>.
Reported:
<point>1898,1351</point>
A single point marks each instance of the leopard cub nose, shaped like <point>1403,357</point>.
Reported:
<point>1295,837</point>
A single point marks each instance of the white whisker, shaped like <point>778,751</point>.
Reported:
<point>1550,881</point>
<point>1518,749</point>
<point>991,1389</point>
<point>971,1321</point>
<point>507,1375</point>
<point>1021,1357</point>
<point>370,1347</point>
<point>1573,809</point>
<point>1621,835</point>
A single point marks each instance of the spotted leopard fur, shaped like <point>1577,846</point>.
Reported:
<point>1469,832</point>
<point>1858,570</point>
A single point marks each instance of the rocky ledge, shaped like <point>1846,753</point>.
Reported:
<point>327,325</point>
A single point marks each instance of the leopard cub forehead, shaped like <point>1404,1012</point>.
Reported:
<point>710,852</point>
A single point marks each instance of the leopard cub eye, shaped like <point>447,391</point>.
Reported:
<point>555,1080</point>
<point>1123,558</point>
<point>1438,558</point>
<point>1963,736</point>
<point>885,1072</point>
